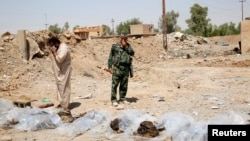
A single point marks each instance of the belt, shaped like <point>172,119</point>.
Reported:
<point>124,64</point>
<point>120,67</point>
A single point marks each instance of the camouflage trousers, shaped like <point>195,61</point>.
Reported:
<point>119,78</point>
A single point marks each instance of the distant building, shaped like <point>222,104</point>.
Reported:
<point>88,32</point>
<point>141,29</point>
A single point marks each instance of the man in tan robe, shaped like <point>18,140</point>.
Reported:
<point>61,64</point>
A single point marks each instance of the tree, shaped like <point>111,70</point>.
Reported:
<point>156,30</point>
<point>76,27</point>
<point>105,30</point>
<point>55,29</point>
<point>124,27</point>
<point>198,22</point>
<point>239,28</point>
<point>210,30</point>
<point>171,18</point>
<point>224,29</point>
<point>228,29</point>
<point>233,30</point>
<point>66,26</point>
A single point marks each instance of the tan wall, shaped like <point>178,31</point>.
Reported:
<point>147,29</point>
<point>86,32</point>
<point>136,29</point>
<point>94,34</point>
<point>245,36</point>
<point>141,29</point>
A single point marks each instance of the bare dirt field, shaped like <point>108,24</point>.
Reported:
<point>197,82</point>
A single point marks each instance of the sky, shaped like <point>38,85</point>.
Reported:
<point>33,15</point>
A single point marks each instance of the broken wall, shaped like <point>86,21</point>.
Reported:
<point>245,36</point>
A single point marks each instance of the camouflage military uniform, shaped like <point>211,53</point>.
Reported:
<point>120,61</point>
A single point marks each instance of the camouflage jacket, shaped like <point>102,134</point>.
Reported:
<point>119,55</point>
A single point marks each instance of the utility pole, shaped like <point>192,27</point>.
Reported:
<point>242,11</point>
<point>112,21</point>
<point>46,21</point>
<point>164,26</point>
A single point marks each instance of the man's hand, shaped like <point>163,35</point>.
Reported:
<point>123,42</point>
<point>53,51</point>
<point>109,70</point>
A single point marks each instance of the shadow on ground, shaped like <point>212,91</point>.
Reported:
<point>73,105</point>
<point>132,99</point>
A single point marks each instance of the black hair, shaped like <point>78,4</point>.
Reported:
<point>54,40</point>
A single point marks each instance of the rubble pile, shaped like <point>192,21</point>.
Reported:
<point>93,54</point>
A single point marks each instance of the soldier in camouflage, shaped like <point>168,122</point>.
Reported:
<point>120,64</point>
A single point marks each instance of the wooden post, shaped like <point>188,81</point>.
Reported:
<point>164,26</point>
